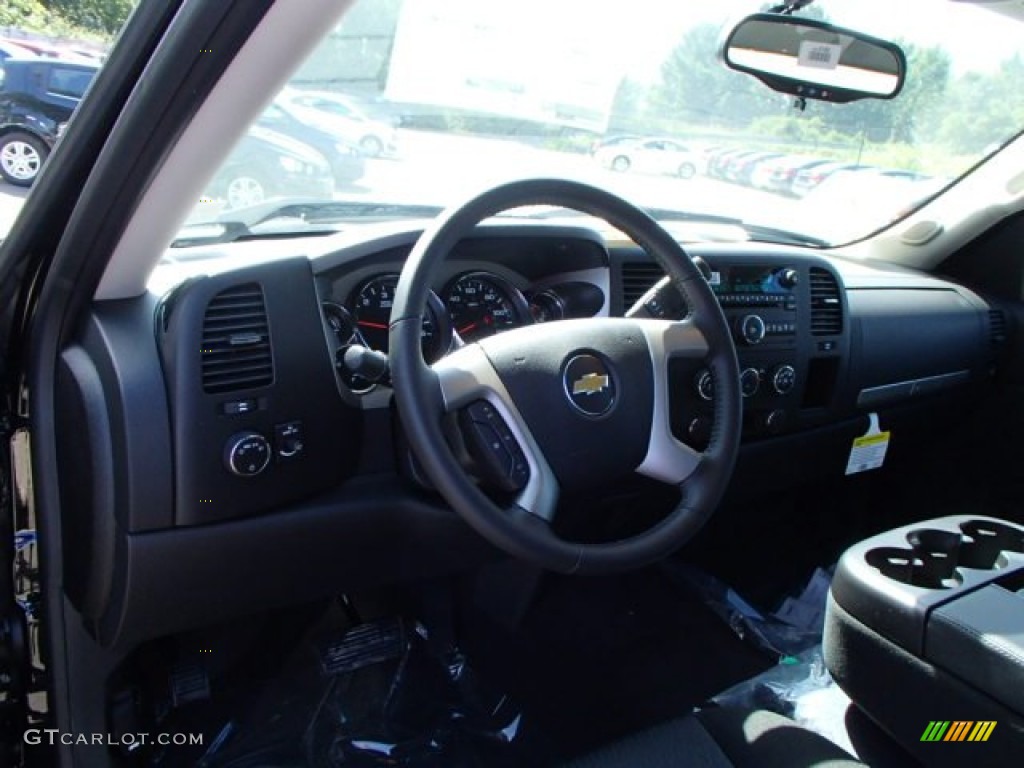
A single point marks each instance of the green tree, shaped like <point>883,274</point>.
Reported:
<point>696,86</point>
<point>928,71</point>
<point>629,107</point>
<point>25,14</point>
<point>984,109</point>
<point>106,16</point>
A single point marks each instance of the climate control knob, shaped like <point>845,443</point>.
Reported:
<point>784,379</point>
<point>752,329</point>
<point>246,454</point>
<point>750,381</point>
<point>705,385</point>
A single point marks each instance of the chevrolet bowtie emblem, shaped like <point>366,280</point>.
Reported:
<point>590,384</point>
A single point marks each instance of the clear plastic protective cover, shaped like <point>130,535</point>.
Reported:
<point>379,694</point>
<point>794,627</point>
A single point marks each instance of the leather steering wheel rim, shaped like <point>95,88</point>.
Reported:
<point>423,402</point>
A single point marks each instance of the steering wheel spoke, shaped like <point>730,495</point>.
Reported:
<point>496,435</point>
<point>675,338</point>
<point>668,459</point>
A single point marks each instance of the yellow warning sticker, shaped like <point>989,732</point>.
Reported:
<point>868,451</point>
<point>867,440</point>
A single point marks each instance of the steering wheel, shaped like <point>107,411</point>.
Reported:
<point>564,406</point>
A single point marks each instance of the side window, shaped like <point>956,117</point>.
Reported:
<point>69,82</point>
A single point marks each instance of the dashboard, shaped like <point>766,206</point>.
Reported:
<point>819,341</point>
<point>240,434</point>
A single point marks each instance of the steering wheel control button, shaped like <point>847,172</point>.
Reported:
<point>784,379</point>
<point>705,385</point>
<point>494,449</point>
<point>589,385</point>
<point>752,329</point>
<point>288,441</point>
<point>246,454</point>
<point>750,382</point>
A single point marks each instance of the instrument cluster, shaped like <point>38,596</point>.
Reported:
<point>471,306</point>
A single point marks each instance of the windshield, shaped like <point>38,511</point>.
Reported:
<point>423,103</point>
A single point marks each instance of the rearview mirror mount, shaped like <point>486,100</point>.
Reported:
<point>812,59</point>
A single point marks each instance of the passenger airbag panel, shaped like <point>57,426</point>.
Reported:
<point>913,342</point>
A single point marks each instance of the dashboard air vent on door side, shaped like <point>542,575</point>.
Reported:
<point>236,350</point>
<point>826,304</point>
<point>996,328</point>
<point>637,278</point>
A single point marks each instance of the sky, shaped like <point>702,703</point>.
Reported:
<point>562,60</point>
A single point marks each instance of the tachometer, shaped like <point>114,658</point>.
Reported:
<point>371,310</point>
<point>481,304</point>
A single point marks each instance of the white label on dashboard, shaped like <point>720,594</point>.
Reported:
<point>868,451</point>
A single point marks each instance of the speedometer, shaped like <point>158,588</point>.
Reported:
<point>482,304</point>
<point>371,310</point>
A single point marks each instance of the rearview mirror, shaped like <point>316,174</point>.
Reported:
<point>814,60</point>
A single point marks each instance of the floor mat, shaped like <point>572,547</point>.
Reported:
<point>600,657</point>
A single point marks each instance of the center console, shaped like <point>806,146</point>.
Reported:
<point>762,305</point>
<point>787,317</point>
<point>925,633</point>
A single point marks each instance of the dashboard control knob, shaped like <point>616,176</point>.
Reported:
<point>775,421</point>
<point>784,379</point>
<point>246,454</point>
<point>788,278</point>
<point>705,385</point>
<point>750,381</point>
<point>752,329</point>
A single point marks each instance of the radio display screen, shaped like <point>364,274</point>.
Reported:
<point>747,280</point>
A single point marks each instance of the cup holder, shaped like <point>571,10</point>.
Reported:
<point>930,567</point>
<point>987,541</point>
<point>939,552</point>
<point>934,556</point>
<point>897,564</point>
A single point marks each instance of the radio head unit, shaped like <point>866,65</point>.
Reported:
<point>755,286</point>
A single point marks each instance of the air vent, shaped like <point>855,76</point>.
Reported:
<point>236,341</point>
<point>637,278</point>
<point>826,304</point>
<point>996,328</point>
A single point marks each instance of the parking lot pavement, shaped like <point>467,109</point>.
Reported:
<point>446,169</point>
